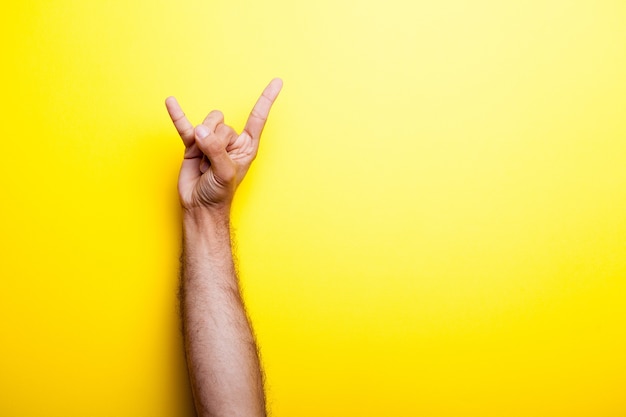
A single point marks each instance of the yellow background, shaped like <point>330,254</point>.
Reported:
<point>435,225</point>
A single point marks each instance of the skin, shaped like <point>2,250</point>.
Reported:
<point>222,356</point>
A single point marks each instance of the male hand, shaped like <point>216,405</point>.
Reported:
<point>216,156</point>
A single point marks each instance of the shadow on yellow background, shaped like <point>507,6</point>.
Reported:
<point>435,225</point>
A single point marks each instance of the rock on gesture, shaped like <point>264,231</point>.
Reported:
<point>216,156</point>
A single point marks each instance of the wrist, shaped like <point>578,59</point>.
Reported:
<point>207,215</point>
<point>207,247</point>
<point>207,224</point>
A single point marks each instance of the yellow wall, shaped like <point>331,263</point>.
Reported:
<point>435,225</point>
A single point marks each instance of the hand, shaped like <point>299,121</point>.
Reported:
<point>216,156</point>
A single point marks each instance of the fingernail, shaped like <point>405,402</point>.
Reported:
<point>202,131</point>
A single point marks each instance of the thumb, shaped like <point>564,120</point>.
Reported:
<point>214,148</point>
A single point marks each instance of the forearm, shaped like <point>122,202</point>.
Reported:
<point>221,351</point>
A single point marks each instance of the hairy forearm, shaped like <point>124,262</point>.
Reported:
<point>221,351</point>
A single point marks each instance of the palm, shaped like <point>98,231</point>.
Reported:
<point>214,166</point>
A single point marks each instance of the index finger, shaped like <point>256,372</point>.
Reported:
<point>182,124</point>
<point>261,110</point>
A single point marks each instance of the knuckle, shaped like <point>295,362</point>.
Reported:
<point>257,114</point>
<point>187,132</point>
<point>225,132</point>
<point>216,114</point>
